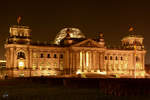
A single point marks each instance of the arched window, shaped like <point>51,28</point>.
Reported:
<point>21,55</point>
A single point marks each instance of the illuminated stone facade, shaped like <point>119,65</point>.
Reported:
<point>72,55</point>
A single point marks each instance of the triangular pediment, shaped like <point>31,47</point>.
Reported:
<point>87,43</point>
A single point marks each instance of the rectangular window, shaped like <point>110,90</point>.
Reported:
<point>48,56</point>
<point>55,56</point>
<point>42,56</point>
<point>61,56</point>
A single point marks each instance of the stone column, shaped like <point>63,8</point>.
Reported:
<point>108,63</point>
<point>27,56</point>
<point>99,56</point>
<point>92,62</point>
<point>132,63</point>
<point>114,59</point>
<point>89,68</point>
<point>15,59</point>
<point>77,60</point>
<point>58,60</point>
<point>70,62</point>
<point>11,57</point>
<point>102,62</point>
<point>38,60</point>
<point>74,66</point>
<point>7,54</point>
<point>83,60</point>
<point>143,65</point>
<point>96,61</point>
<point>31,60</point>
<point>119,62</point>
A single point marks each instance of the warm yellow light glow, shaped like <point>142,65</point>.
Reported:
<point>78,72</point>
<point>87,59</point>
<point>80,59</point>
<point>34,67</point>
<point>99,72</point>
<point>21,64</point>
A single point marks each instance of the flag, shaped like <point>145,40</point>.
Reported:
<point>131,29</point>
<point>18,19</point>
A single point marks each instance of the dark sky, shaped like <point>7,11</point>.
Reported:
<point>47,18</point>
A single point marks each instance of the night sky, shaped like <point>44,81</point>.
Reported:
<point>47,18</point>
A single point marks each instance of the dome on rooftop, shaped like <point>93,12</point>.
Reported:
<point>75,33</point>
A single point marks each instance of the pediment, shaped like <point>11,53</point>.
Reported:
<point>87,43</point>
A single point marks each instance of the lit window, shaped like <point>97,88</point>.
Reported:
<point>21,64</point>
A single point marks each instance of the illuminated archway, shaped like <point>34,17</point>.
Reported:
<point>21,60</point>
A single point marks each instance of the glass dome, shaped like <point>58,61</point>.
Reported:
<point>75,33</point>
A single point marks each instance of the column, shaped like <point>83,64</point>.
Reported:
<point>11,57</point>
<point>108,63</point>
<point>99,56</point>
<point>102,68</point>
<point>96,61</point>
<point>114,59</point>
<point>119,62</point>
<point>15,58</point>
<point>75,63</point>
<point>58,60</point>
<point>31,61</point>
<point>143,55</point>
<point>83,60</point>
<point>92,67</point>
<point>89,68</point>
<point>27,56</point>
<point>77,60</point>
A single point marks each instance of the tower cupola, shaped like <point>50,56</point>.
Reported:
<point>19,34</point>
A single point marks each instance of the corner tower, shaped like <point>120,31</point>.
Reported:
<point>19,35</point>
<point>129,42</point>
<point>17,51</point>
